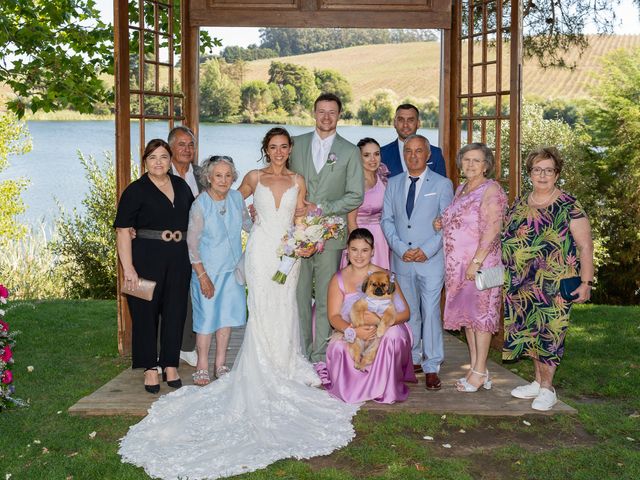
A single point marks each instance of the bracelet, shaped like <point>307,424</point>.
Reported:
<point>587,282</point>
<point>202,274</point>
<point>349,335</point>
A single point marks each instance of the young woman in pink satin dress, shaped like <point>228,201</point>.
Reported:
<point>384,380</point>
<point>369,213</point>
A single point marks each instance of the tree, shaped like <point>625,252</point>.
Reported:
<point>14,140</point>
<point>613,121</point>
<point>53,52</point>
<point>255,98</point>
<point>334,82</point>
<point>219,96</point>
<point>552,27</point>
<point>378,110</point>
<point>300,79</point>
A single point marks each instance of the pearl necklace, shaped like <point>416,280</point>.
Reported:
<point>545,201</point>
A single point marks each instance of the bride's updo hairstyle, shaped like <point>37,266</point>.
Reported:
<point>274,132</point>
<point>361,234</point>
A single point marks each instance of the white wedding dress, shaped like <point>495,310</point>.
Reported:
<point>268,407</point>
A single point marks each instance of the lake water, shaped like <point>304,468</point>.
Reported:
<point>55,173</point>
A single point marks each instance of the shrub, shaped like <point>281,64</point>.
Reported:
<point>86,243</point>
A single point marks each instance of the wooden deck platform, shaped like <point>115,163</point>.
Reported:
<point>124,394</point>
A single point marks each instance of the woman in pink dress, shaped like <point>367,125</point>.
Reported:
<point>472,226</point>
<point>384,380</point>
<point>369,213</point>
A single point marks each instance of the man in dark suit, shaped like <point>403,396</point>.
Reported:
<point>406,122</point>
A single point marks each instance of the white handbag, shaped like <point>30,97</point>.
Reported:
<point>490,277</point>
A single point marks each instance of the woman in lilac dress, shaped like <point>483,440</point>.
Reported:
<point>472,226</point>
<point>383,381</point>
<point>369,213</point>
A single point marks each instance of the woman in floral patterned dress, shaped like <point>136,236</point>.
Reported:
<point>547,238</point>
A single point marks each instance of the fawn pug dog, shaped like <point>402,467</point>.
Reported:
<point>378,289</point>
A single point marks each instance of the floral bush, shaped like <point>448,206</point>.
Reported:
<point>7,342</point>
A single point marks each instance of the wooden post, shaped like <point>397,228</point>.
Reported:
<point>190,70</point>
<point>123,145</point>
<point>515,100</point>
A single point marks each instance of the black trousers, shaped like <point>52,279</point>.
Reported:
<point>168,264</point>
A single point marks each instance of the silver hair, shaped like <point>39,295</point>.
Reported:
<point>489,159</point>
<point>181,128</point>
<point>212,161</point>
<point>417,135</point>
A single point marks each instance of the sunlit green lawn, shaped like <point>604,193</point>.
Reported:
<point>72,347</point>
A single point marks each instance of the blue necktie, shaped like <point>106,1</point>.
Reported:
<point>411,196</point>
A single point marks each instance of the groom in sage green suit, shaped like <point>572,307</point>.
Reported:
<point>332,169</point>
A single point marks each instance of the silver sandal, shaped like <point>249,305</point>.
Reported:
<point>201,378</point>
<point>221,371</point>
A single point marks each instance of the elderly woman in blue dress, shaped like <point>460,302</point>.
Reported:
<point>216,221</point>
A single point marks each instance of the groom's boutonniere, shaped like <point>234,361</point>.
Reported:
<point>332,159</point>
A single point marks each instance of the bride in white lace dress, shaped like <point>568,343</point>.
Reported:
<point>268,407</point>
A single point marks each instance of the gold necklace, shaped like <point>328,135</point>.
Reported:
<point>160,185</point>
<point>546,200</point>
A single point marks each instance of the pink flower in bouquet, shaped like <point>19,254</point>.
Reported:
<point>6,354</point>
<point>4,326</point>
<point>7,377</point>
<point>4,293</point>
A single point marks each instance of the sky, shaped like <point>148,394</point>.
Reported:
<point>627,13</point>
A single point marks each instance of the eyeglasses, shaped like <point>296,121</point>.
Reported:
<point>547,172</point>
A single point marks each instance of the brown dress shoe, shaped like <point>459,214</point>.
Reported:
<point>433,381</point>
<point>417,368</point>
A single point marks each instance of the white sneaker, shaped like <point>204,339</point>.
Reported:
<point>190,357</point>
<point>530,390</point>
<point>545,400</point>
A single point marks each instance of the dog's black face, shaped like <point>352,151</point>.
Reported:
<point>378,284</point>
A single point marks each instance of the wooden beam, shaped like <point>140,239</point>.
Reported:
<point>447,97</point>
<point>454,60</point>
<point>322,13</point>
<point>123,145</point>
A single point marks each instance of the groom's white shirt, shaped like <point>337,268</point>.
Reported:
<point>320,149</point>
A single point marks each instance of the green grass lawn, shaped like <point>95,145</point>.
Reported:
<point>72,347</point>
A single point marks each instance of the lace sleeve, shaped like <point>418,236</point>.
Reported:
<point>492,210</point>
<point>194,233</point>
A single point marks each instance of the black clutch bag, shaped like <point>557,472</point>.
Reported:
<point>568,285</point>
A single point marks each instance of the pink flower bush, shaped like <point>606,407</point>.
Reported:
<point>7,377</point>
<point>6,355</point>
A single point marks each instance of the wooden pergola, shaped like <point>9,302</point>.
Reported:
<point>480,82</point>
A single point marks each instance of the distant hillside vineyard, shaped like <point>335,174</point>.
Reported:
<point>413,69</point>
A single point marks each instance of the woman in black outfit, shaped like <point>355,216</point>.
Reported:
<point>157,207</point>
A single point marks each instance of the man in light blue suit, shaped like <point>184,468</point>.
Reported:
<point>411,202</point>
<point>406,122</point>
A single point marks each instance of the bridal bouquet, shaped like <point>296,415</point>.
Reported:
<point>312,231</point>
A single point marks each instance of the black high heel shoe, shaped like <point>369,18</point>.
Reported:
<point>152,388</point>
<point>177,383</point>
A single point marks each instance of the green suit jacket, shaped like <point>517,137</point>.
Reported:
<point>338,188</point>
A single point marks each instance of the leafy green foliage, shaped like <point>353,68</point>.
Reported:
<point>379,109</point>
<point>332,81</point>
<point>297,86</point>
<point>219,96</point>
<point>256,98</point>
<point>296,41</point>
<point>86,244</point>
<point>613,121</point>
<point>14,140</point>
<point>233,53</point>
<point>52,53</point>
